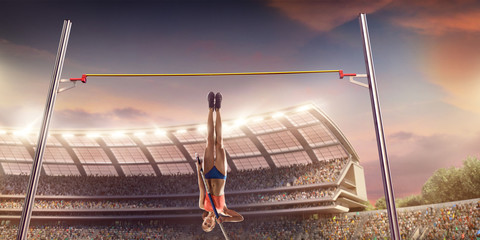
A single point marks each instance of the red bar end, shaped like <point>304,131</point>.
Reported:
<point>340,72</point>
<point>83,78</point>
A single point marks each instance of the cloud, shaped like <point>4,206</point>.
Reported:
<point>452,63</point>
<point>43,60</point>
<point>401,136</point>
<point>124,114</point>
<point>326,15</point>
<point>433,24</point>
<point>437,17</point>
<point>116,118</point>
<point>15,50</point>
<point>449,56</point>
<point>73,118</point>
<point>129,113</point>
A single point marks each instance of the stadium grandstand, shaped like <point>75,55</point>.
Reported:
<point>292,175</point>
<point>294,162</point>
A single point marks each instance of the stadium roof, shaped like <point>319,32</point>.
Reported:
<point>296,135</point>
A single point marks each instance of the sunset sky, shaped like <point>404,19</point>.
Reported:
<point>426,54</point>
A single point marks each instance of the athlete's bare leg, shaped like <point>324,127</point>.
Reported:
<point>221,162</point>
<point>209,149</point>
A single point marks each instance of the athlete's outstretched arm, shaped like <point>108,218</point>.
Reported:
<point>201,187</point>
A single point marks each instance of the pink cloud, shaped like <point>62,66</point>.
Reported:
<point>452,63</point>
<point>326,15</point>
<point>450,56</point>
<point>15,50</point>
<point>439,24</point>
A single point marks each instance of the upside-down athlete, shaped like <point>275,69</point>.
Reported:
<point>215,168</point>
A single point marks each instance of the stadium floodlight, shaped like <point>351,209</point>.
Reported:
<point>160,132</point>
<point>181,131</point>
<point>304,108</point>
<point>278,114</point>
<point>240,122</point>
<point>118,134</point>
<point>67,135</point>
<point>139,134</point>
<point>202,128</point>
<point>256,119</point>
<point>226,127</point>
<point>21,133</point>
<point>3,132</point>
<point>93,135</point>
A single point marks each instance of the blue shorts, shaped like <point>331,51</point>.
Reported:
<point>215,174</point>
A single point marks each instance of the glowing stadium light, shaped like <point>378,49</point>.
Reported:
<point>181,131</point>
<point>257,119</point>
<point>67,135</point>
<point>21,133</point>
<point>3,132</point>
<point>118,134</point>
<point>226,127</point>
<point>161,132</point>
<point>278,114</point>
<point>93,135</point>
<point>139,134</point>
<point>202,128</point>
<point>240,122</point>
<point>304,108</point>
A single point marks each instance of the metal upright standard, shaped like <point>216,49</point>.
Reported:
<point>377,119</point>
<point>37,162</point>
<point>210,197</point>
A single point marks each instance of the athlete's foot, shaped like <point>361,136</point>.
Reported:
<point>211,100</point>
<point>218,100</point>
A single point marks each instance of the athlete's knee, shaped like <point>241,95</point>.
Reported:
<point>211,140</point>
<point>219,141</point>
<point>220,148</point>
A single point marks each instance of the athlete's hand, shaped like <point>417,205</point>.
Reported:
<point>198,161</point>
<point>199,164</point>
<point>221,219</point>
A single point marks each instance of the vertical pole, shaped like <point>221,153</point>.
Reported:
<point>37,162</point>
<point>377,118</point>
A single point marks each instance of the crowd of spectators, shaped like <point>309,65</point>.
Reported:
<point>320,172</point>
<point>113,232</point>
<point>376,224</point>
<point>459,220</point>
<point>282,196</point>
<point>456,221</point>
<point>313,173</point>
<point>243,199</point>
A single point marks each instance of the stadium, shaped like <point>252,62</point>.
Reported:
<point>292,172</point>
<point>304,163</point>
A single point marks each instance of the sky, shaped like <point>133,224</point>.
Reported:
<point>426,56</point>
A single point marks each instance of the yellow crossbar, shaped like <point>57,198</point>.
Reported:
<point>84,76</point>
<point>206,74</point>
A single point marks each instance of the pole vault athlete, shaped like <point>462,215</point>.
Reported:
<point>216,171</point>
